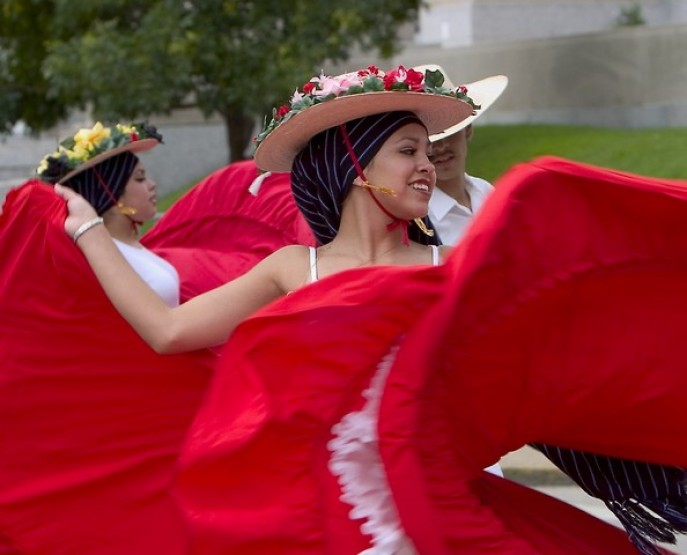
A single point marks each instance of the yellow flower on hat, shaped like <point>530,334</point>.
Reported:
<point>43,165</point>
<point>89,139</point>
<point>128,129</point>
<point>45,162</point>
<point>80,151</point>
<point>87,144</point>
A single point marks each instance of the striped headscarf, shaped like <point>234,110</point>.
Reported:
<point>104,183</point>
<point>323,172</point>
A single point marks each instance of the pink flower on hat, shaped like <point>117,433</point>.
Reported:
<point>296,97</point>
<point>326,85</point>
<point>323,88</point>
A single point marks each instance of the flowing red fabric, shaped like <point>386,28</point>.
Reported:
<point>557,320</point>
<point>92,419</point>
<point>218,230</point>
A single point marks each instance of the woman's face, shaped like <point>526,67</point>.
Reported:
<point>139,194</point>
<point>402,165</point>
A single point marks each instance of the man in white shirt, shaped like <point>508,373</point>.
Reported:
<point>449,215</point>
<point>458,196</point>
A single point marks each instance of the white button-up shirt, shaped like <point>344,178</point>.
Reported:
<point>450,218</point>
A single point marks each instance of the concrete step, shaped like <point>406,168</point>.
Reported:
<point>528,466</point>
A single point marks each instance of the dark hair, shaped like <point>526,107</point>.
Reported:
<point>104,183</point>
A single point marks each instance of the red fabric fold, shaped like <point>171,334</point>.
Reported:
<point>561,323</point>
<point>92,418</point>
<point>558,320</point>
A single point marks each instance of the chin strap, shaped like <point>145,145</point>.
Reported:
<point>126,210</point>
<point>395,222</point>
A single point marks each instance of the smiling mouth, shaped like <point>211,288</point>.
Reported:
<point>422,187</point>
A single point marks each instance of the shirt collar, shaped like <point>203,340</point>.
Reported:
<point>440,203</point>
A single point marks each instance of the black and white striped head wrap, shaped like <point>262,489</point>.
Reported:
<point>323,172</point>
<point>104,183</point>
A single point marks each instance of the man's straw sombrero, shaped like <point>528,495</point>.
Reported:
<point>330,101</point>
<point>483,93</point>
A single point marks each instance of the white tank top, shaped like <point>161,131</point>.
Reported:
<point>313,261</point>
<point>159,274</point>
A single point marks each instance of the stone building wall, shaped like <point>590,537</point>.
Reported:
<point>464,22</point>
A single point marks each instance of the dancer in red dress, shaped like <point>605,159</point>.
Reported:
<point>357,413</point>
<point>92,418</point>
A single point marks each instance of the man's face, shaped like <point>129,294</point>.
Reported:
<point>449,155</point>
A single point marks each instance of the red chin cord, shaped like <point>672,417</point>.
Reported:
<point>104,186</point>
<point>134,224</point>
<point>395,222</point>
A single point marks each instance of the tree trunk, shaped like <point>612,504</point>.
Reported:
<point>240,128</point>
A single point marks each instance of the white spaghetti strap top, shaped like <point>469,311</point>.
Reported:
<point>159,274</point>
<point>435,255</point>
<point>313,264</point>
<point>313,261</point>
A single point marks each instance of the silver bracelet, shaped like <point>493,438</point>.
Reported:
<point>84,227</point>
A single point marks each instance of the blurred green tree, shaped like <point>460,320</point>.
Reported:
<point>133,58</point>
<point>25,93</point>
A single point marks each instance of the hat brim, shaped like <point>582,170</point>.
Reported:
<point>133,147</point>
<point>483,93</point>
<point>437,112</point>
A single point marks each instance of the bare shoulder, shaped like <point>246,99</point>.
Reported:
<point>290,266</point>
<point>268,279</point>
<point>287,255</point>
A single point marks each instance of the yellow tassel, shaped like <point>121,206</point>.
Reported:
<point>383,190</point>
<point>126,210</point>
<point>428,232</point>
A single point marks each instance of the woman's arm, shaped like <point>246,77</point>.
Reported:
<point>204,321</point>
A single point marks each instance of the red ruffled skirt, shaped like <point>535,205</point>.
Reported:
<point>558,320</point>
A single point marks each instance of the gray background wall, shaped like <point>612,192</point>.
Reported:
<point>451,23</point>
<point>626,77</point>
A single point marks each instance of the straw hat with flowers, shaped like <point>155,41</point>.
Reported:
<point>325,102</point>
